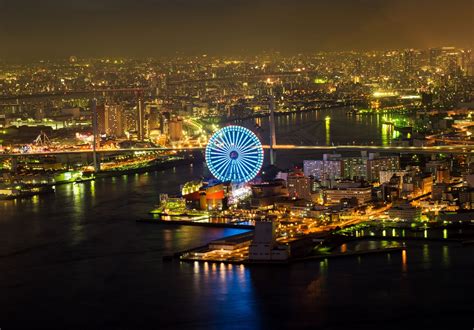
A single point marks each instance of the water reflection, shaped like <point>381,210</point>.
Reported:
<point>426,256</point>
<point>230,284</point>
<point>386,134</point>
<point>312,127</point>
<point>124,255</point>
<point>404,260</point>
<point>445,253</point>
<point>344,248</point>
<point>328,130</point>
<point>92,188</point>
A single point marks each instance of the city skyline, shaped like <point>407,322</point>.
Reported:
<point>236,164</point>
<point>52,29</point>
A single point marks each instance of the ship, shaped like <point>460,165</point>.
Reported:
<point>8,192</point>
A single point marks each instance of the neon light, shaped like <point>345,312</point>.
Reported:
<point>234,154</point>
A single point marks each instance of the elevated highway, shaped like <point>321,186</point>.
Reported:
<point>452,149</point>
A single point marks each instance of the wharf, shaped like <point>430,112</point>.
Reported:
<point>195,223</point>
<point>291,260</point>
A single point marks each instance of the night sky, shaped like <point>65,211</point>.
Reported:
<point>58,28</point>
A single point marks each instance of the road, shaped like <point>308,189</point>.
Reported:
<point>454,149</point>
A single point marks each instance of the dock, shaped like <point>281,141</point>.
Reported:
<point>195,223</point>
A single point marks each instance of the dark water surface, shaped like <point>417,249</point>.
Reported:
<point>322,127</point>
<point>78,260</point>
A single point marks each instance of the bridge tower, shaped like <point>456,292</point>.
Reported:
<point>95,134</point>
<point>272,128</point>
<point>42,139</point>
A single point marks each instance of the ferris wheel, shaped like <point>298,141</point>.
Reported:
<point>235,154</point>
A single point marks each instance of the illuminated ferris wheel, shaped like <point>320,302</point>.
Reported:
<point>235,154</point>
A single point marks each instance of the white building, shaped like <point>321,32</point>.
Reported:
<point>264,246</point>
<point>362,194</point>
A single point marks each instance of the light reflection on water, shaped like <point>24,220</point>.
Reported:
<point>426,256</point>
<point>82,243</point>
<point>446,262</point>
<point>313,128</point>
<point>404,261</point>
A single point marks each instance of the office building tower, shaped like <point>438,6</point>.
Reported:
<point>176,129</point>
<point>376,164</point>
<point>354,168</point>
<point>114,122</point>
<point>101,119</point>
<point>110,120</point>
<point>330,168</point>
<point>140,120</point>
<point>299,186</point>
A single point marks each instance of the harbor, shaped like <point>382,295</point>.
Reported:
<point>249,248</point>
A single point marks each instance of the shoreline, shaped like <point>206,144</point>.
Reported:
<point>194,223</point>
<point>107,174</point>
<point>340,240</point>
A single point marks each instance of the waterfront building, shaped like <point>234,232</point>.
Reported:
<point>403,210</point>
<point>211,197</point>
<point>263,246</point>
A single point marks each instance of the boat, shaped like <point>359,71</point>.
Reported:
<point>23,191</point>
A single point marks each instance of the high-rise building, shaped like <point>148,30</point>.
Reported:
<point>110,120</point>
<point>386,175</point>
<point>176,129</point>
<point>114,123</point>
<point>299,186</point>
<point>334,167</point>
<point>376,164</point>
<point>153,117</point>
<point>140,119</point>
<point>330,168</point>
<point>434,54</point>
<point>313,168</point>
<point>164,122</point>
<point>408,61</point>
<point>354,168</point>
<point>101,126</point>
